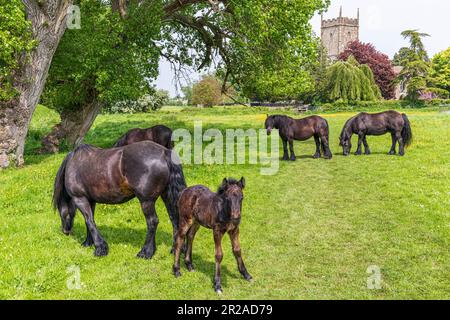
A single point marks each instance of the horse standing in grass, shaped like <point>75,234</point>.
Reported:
<point>90,175</point>
<point>301,129</point>
<point>160,134</point>
<point>377,124</point>
<point>221,212</point>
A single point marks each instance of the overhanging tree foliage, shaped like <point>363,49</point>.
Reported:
<point>348,81</point>
<point>105,62</point>
<point>257,41</point>
<point>262,47</point>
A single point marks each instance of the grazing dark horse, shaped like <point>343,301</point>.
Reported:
<point>220,212</point>
<point>160,134</point>
<point>301,129</point>
<point>365,124</point>
<point>89,175</point>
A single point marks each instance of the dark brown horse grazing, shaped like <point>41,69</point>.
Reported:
<point>90,175</point>
<point>160,134</point>
<point>365,124</point>
<point>220,212</point>
<point>301,129</point>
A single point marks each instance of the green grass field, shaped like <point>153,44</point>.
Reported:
<point>309,232</point>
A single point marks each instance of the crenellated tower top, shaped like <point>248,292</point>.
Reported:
<point>338,32</point>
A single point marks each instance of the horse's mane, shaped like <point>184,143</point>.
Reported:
<point>279,117</point>
<point>347,124</point>
<point>84,147</point>
<point>221,188</point>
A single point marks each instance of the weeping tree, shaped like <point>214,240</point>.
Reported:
<point>349,81</point>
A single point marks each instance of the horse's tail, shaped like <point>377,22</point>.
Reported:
<point>121,142</point>
<point>60,196</point>
<point>406,131</point>
<point>176,185</point>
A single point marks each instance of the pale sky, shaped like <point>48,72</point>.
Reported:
<point>381,23</point>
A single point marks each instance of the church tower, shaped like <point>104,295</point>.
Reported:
<point>337,33</point>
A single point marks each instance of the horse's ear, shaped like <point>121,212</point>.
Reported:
<point>225,181</point>
<point>242,183</point>
<point>267,115</point>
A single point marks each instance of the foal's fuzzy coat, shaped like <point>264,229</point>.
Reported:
<point>221,212</point>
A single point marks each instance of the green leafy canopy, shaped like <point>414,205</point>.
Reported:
<point>109,59</point>
<point>15,42</point>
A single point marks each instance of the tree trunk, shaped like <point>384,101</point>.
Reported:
<point>73,127</point>
<point>48,20</point>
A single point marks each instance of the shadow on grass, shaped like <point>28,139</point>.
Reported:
<point>135,238</point>
<point>124,235</point>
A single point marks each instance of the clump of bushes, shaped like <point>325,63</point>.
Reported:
<point>146,103</point>
<point>373,106</point>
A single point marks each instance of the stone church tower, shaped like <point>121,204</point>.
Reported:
<point>337,33</point>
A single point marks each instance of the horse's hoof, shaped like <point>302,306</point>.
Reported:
<point>101,251</point>
<point>248,277</point>
<point>190,267</point>
<point>316,156</point>
<point>87,243</point>
<point>401,154</point>
<point>293,159</point>
<point>176,273</point>
<point>144,254</point>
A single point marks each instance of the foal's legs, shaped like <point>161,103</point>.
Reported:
<point>183,229</point>
<point>317,140</point>
<point>366,146</point>
<point>394,142</point>
<point>218,235</point>
<point>149,248</point>
<point>291,147</point>
<point>285,150</point>
<point>89,241</point>
<point>101,247</point>
<point>234,236</point>
<point>190,239</point>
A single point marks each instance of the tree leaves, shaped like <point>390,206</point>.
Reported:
<point>348,81</point>
<point>15,42</point>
